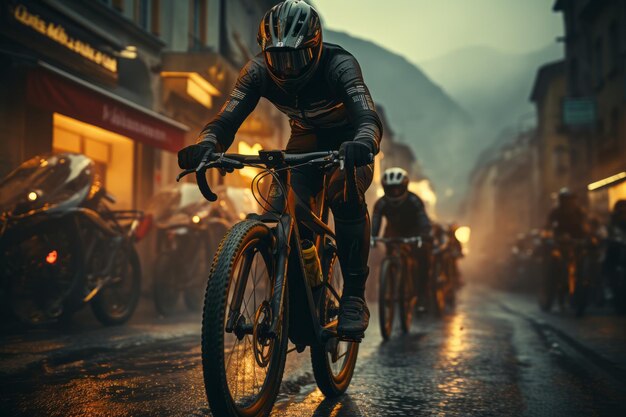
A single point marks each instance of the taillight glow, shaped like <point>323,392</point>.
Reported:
<point>144,227</point>
<point>52,257</point>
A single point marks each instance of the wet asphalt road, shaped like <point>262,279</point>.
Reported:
<point>495,356</point>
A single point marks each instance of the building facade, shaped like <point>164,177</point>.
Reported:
<point>126,82</point>
<point>594,109</point>
<point>79,77</point>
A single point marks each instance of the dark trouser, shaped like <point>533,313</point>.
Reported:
<point>352,223</point>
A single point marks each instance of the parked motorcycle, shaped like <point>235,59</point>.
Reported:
<point>61,246</point>
<point>188,233</point>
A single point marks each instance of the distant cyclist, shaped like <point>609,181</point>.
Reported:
<point>320,87</point>
<point>406,217</point>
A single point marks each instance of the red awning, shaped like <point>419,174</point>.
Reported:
<point>58,91</point>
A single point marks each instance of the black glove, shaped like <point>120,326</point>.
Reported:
<point>191,156</point>
<point>356,154</point>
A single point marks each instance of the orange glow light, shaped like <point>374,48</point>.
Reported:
<point>52,257</point>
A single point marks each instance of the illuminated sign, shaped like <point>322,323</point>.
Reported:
<point>58,34</point>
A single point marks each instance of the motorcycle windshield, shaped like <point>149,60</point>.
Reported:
<point>46,182</point>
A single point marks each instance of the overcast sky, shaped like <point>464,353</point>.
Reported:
<point>424,29</point>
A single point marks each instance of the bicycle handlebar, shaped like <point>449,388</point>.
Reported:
<point>237,161</point>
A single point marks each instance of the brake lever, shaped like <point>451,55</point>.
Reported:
<point>184,174</point>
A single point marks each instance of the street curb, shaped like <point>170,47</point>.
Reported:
<point>602,362</point>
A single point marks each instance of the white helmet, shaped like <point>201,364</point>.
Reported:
<point>396,184</point>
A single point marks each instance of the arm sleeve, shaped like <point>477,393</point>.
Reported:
<point>242,100</point>
<point>377,217</point>
<point>423,222</point>
<point>348,81</point>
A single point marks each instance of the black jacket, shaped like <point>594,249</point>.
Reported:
<point>334,102</point>
<point>407,219</point>
<point>570,220</point>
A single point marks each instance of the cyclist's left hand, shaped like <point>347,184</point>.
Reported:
<point>356,154</point>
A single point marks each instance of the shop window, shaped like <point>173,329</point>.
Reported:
<point>113,154</point>
<point>197,24</point>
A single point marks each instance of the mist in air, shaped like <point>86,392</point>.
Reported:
<point>453,77</point>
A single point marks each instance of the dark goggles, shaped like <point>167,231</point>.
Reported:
<point>289,63</point>
<point>395,190</point>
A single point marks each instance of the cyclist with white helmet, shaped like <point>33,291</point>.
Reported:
<point>406,217</point>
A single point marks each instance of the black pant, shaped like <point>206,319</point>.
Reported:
<point>352,223</point>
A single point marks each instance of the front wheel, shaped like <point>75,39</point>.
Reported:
<point>116,302</point>
<point>406,299</point>
<point>386,298</point>
<point>334,362</point>
<point>242,361</point>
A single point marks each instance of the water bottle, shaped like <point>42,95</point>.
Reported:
<point>312,265</point>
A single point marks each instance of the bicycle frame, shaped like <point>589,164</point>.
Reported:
<point>289,268</point>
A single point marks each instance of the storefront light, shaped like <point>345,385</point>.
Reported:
<point>194,85</point>
<point>130,52</point>
<point>606,181</point>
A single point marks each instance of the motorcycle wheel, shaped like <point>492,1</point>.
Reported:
<point>37,290</point>
<point>116,302</point>
<point>164,285</point>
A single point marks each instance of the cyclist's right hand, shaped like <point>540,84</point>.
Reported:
<point>191,156</point>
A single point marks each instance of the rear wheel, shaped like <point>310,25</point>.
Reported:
<point>386,298</point>
<point>334,362</point>
<point>116,302</point>
<point>242,362</point>
<point>406,299</point>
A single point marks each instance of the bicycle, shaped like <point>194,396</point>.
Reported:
<point>568,276</point>
<point>442,285</point>
<point>257,287</point>
<point>396,284</point>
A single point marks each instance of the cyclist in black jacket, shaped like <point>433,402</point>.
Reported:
<point>406,217</point>
<point>319,86</point>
